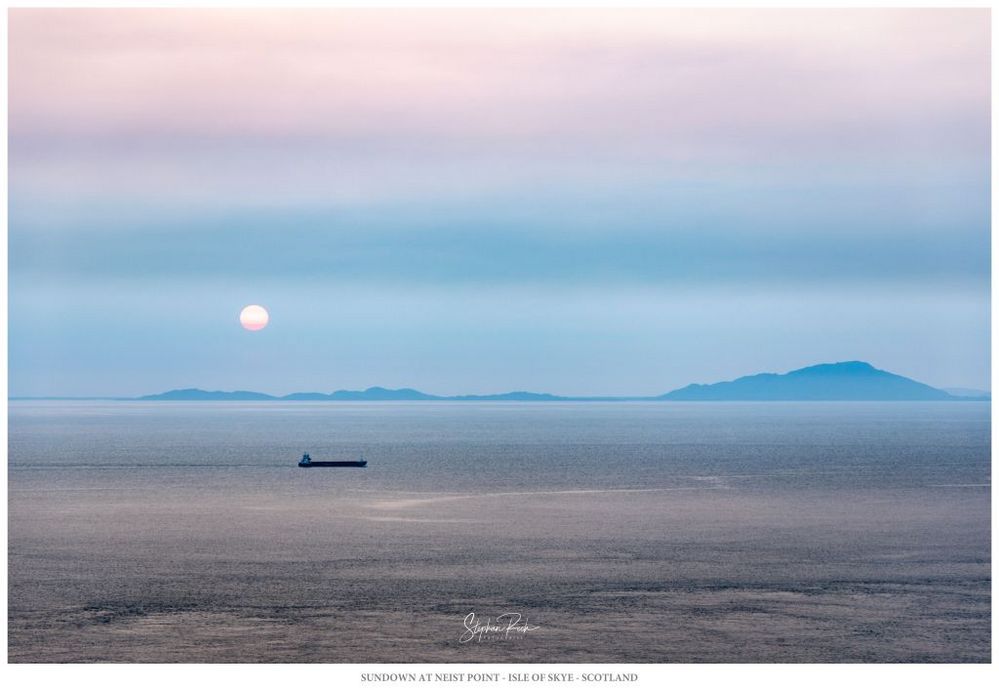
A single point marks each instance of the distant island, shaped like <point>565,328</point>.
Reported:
<point>838,381</point>
<point>374,394</point>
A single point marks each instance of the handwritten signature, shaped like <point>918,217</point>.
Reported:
<point>505,626</point>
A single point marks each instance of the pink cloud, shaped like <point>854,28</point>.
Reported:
<point>351,96</point>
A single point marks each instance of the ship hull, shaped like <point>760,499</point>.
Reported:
<point>335,463</point>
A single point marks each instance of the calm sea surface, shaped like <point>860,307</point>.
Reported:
<point>624,532</point>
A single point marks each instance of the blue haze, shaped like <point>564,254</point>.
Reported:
<point>494,297</point>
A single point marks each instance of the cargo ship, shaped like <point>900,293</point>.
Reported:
<point>307,461</point>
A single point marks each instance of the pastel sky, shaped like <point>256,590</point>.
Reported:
<point>463,201</point>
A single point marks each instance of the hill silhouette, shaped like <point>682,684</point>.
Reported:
<point>374,394</point>
<point>198,394</point>
<point>838,381</point>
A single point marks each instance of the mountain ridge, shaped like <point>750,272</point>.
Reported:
<point>845,381</point>
<point>851,380</point>
<point>374,393</point>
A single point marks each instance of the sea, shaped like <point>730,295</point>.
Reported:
<point>549,532</point>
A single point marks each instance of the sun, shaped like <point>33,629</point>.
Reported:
<point>254,317</point>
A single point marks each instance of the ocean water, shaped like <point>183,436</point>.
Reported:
<point>620,532</point>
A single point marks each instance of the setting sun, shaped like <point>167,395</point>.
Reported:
<point>254,317</point>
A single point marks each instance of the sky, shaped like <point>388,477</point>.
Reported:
<point>583,202</point>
